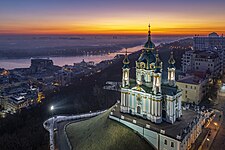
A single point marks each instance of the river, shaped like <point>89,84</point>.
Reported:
<point>61,61</point>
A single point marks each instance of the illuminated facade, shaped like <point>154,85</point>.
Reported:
<point>147,96</point>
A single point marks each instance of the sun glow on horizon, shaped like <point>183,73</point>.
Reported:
<point>166,18</point>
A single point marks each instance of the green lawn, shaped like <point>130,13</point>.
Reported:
<point>101,133</point>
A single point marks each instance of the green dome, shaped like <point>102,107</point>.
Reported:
<point>147,57</point>
<point>149,44</point>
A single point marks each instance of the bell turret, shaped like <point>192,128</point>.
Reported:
<point>171,70</point>
<point>126,71</point>
<point>157,75</point>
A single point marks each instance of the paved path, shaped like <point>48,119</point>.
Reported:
<point>61,137</point>
<point>51,124</point>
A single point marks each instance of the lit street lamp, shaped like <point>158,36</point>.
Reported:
<point>208,142</point>
<point>52,107</point>
<point>216,124</point>
<point>52,110</point>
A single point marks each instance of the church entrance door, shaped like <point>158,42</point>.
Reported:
<point>139,110</point>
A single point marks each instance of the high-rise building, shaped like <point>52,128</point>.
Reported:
<point>212,42</point>
<point>204,61</point>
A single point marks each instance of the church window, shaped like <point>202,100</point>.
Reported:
<point>172,144</point>
<point>165,142</point>
<point>142,78</point>
<point>139,99</point>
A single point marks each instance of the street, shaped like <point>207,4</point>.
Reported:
<point>219,141</point>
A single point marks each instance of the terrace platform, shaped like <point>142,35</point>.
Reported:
<point>174,131</point>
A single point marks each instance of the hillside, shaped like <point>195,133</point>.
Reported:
<point>101,133</point>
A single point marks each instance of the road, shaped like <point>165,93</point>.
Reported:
<point>61,143</point>
<point>214,127</point>
<point>219,141</point>
<point>60,122</point>
<point>61,139</point>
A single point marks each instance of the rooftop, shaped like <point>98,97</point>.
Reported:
<point>191,80</point>
<point>206,54</point>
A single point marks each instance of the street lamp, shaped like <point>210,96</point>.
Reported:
<point>52,108</point>
<point>216,124</point>
<point>208,142</point>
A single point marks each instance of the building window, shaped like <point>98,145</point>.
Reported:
<point>165,142</point>
<point>172,144</point>
<point>186,86</point>
<point>185,92</point>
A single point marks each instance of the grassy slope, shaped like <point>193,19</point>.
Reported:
<point>101,133</point>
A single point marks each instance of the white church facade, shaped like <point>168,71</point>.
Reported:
<point>147,96</point>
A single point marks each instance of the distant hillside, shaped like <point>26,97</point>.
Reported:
<point>101,133</point>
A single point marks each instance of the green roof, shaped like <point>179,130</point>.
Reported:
<point>147,57</point>
<point>134,84</point>
<point>169,90</point>
<point>149,45</point>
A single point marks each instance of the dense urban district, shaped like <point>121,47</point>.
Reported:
<point>194,69</point>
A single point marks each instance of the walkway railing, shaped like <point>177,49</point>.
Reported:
<point>49,124</point>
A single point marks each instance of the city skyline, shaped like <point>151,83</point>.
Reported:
<point>112,17</point>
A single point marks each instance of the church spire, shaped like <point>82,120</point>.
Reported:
<point>157,62</point>
<point>171,70</point>
<point>126,61</point>
<point>149,45</point>
<point>149,32</point>
<point>171,61</point>
<point>157,75</point>
<point>126,71</point>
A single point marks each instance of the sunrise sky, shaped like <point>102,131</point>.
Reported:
<point>167,17</point>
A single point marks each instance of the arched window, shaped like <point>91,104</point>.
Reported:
<point>165,142</point>
<point>139,110</point>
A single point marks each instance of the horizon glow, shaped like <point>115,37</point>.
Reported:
<point>174,17</point>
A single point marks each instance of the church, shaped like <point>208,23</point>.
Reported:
<point>147,96</point>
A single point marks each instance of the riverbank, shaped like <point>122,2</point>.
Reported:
<point>67,60</point>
